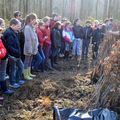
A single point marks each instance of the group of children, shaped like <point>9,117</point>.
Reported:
<point>35,44</point>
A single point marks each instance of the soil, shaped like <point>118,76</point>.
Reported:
<point>67,86</point>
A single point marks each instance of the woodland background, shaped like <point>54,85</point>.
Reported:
<point>71,9</point>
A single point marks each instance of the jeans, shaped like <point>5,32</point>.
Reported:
<point>42,54</point>
<point>77,47</point>
<point>85,47</point>
<point>55,51</point>
<point>38,59</point>
<point>47,49</point>
<point>15,70</point>
<point>62,48</point>
<point>3,65</point>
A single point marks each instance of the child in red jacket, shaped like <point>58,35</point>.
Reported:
<point>39,58</point>
<point>47,43</point>
<point>40,33</point>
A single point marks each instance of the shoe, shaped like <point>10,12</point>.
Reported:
<point>61,55</point>
<point>29,73</point>
<point>15,85</point>
<point>21,82</point>
<point>26,76</point>
<point>8,92</point>
<point>6,77</point>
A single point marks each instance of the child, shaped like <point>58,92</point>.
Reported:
<point>86,39</point>
<point>68,38</point>
<point>37,59</point>
<point>78,33</point>
<point>55,18</point>
<point>30,45</point>
<point>14,51</point>
<point>18,16</point>
<point>47,44</point>
<point>41,39</point>
<point>62,49</point>
<point>56,42</point>
<point>3,63</point>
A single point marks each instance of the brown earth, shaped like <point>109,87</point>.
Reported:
<point>68,86</point>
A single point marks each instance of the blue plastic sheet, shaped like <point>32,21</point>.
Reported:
<point>76,114</point>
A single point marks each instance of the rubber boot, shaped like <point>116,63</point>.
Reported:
<point>26,76</point>
<point>29,73</point>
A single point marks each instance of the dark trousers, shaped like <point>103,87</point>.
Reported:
<point>95,49</point>
<point>54,55</point>
<point>85,47</point>
<point>3,85</point>
<point>62,48</point>
<point>3,65</point>
<point>15,70</point>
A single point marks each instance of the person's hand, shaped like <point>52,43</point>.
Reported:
<point>46,37</point>
<point>12,58</point>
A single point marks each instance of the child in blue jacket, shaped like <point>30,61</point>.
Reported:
<point>3,63</point>
<point>13,48</point>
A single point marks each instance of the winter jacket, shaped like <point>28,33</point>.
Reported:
<point>2,50</point>
<point>46,32</point>
<point>78,32</point>
<point>68,36</point>
<point>52,24</point>
<point>22,38</point>
<point>12,43</point>
<point>96,36</point>
<point>41,37</point>
<point>87,33</point>
<point>55,38</point>
<point>31,41</point>
<point>103,31</point>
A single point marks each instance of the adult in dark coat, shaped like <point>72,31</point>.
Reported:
<point>86,39</point>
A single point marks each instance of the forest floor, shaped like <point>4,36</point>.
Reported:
<point>67,86</point>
